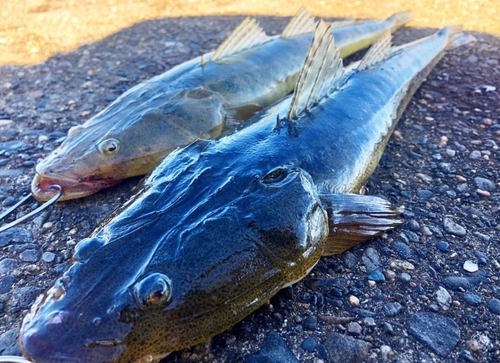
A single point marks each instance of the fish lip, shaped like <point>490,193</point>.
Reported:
<point>72,188</point>
<point>37,350</point>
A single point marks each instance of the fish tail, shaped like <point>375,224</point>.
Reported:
<point>456,37</point>
<point>400,19</point>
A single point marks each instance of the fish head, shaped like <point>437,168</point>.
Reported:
<point>177,277</point>
<point>128,138</point>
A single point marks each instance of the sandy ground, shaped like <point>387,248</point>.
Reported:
<point>33,30</point>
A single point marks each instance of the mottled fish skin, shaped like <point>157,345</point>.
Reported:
<point>220,226</point>
<point>197,99</point>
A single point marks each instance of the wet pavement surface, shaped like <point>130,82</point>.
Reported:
<point>428,291</point>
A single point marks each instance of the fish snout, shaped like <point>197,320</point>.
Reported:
<point>52,340</point>
<point>33,345</point>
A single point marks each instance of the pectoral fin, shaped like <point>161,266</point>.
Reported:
<point>357,218</point>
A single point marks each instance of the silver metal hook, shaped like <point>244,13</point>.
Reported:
<point>13,359</point>
<point>15,206</point>
<point>32,213</point>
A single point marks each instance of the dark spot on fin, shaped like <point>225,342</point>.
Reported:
<point>357,218</point>
<point>247,35</point>
<point>320,74</point>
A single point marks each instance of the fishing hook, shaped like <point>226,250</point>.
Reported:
<point>32,213</point>
<point>13,359</point>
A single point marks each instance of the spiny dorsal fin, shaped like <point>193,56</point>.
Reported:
<point>321,72</point>
<point>246,35</point>
<point>377,52</point>
<point>301,23</point>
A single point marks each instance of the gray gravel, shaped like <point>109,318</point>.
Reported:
<point>374,303</point>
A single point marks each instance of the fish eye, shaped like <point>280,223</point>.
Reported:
<point>275,176</point>
<point>153,290</point>
<point>108,147</point>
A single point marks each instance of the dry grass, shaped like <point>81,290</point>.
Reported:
<point>33,30</point>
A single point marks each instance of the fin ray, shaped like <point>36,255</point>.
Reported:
<point>356,218</point>
<point>377,52</point>
<point>301,23</point>
<point>321,72</point>
<point>247,35</point>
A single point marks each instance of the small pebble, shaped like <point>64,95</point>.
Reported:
<point>456,283</point>
<point>370,322</point>
<point>389,274</point>
<point>6,283</point>
<point>392,309</point>
<point>9,201</point>
<point>450,153</point>
<point>5,122</point>
<point>371,259</point>
<point>483,193</point>
<point>48,257</point>
<point>443,298</point>
<point>386,352</point>
<point>494,306</point>
<point>29,256</point>
<point>413,225</point>
<point>426,231</point>
<point>400,265</point>
<point>474,155</point>
<point>425,178</point>
<point>406,277</point>
<point>484,184</point>
<point>472,299</point>
<point>454,228</point>
<point>470,266</point>
<point>309,344</point>
<point>376,276</point>
<point>7,265</point>
<point>353,301</point>
<point>442,246</point>
<point>354,328</point>
<point>482,258</point>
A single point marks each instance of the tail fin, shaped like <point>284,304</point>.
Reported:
<point>400,19</point>
<point>456,37</point>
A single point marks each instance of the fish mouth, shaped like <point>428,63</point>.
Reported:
<point>37,348</point>
<point>42,187</point>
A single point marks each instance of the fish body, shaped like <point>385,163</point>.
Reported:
<point>200,98</point>
<point>221,226</point>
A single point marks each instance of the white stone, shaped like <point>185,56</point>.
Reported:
<point>470,266</point>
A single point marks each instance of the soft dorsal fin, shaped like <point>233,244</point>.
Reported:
<point>301,23</point>
<point>377,52</point>
<point>321,72</point>
<point>246,35</point>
